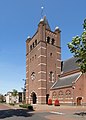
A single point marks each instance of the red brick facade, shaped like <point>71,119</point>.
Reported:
<point>43,63</point>
<point>75,94</point>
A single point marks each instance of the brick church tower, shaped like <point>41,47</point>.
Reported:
<point>43,62</point>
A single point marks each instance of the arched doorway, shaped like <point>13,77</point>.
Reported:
<point>79,100</point>
<point>33,95</point>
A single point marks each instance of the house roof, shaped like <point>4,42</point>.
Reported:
<point>69,65</point>
<point>66,81</point>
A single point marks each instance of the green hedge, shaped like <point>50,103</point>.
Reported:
<point>28,106</point>
<point>11,104</point>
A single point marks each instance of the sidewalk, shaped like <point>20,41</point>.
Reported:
<point>45,108</point>
<point>61,112</point>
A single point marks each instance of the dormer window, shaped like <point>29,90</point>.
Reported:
<point>48,39</point>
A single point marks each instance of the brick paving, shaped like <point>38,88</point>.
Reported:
<point>61,112</point>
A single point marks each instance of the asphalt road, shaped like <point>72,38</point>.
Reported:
<point>43,112</point>
<point>7,113</point>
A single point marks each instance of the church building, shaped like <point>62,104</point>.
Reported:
<point>46,75</point>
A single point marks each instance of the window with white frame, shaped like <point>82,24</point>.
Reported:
<point>60,94</point>
<point>68,94</point>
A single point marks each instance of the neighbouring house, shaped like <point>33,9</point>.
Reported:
<point>14,99</point>
<point>47,76</point>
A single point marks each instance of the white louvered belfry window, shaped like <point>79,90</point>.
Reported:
<point>51,76</point>
<point>33,75</point>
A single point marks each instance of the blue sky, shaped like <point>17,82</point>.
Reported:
<point>19,19</point>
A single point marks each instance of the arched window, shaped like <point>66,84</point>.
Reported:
<point>33,45</point>
<point>60,94</point>
<point>33,75</point>
<point>68,94</point>
<point>35,42</point>
<point>35,56</point>
<point>53,41</point>
<point>54,95</point>
<point>48,39</point>
<point>51,54</point>
<point>51,76</point>
<point>30,47</point>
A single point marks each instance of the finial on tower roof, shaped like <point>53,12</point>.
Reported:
<point>42,12</point>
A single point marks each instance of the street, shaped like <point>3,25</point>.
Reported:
<point>7,113</point>
<point>42,112</point>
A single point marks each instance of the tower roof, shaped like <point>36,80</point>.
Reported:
<point>45,21</point>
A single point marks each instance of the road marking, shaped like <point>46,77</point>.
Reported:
<point>59,113</point>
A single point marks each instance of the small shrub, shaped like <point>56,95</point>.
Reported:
<point>49,101</point>
<point>56,102</point>
<point>28,106</point>
<point>11,104</point>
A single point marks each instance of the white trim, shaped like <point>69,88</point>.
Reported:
<point>26,72</point>
<point>26,59</point>
<point>41,96</point>
<point>80,96</point>
<point>41,56</point>
<point>42,88</point>
<point>59,52</point>
<point>41,72</point>
<point>58,60</point>
<point>51,81</point>
<point>41,64</point>
<point>41,80</point>
<point>59,67</point>
<point>26,65</point>
<point>26,97</point>
<point>78,77</point>
<point>41,48</point>
<point>53,85</point>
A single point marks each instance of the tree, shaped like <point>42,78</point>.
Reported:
<point>78,48</point>
<point>14,94</point>
<point>1,98</point>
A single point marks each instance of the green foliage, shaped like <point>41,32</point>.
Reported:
<point>15,92</point>
<point>1,98</point>
<point>28,106</point>
<point>11,104</point>
<point>78,48</point>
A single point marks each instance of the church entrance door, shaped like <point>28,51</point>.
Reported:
<point>79,100</point>
<point>33,95</point>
